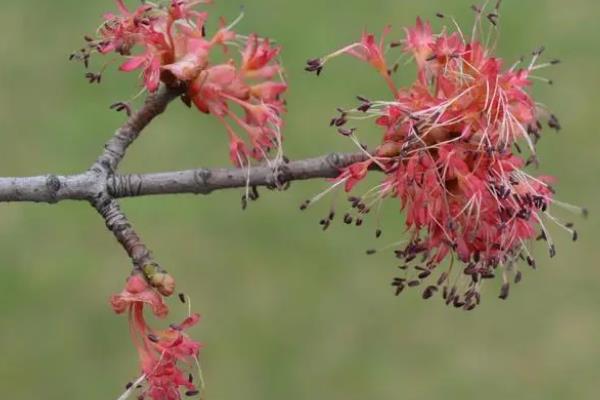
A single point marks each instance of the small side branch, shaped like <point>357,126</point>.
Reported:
<point>117,146</point>
<point>103,170</point>
<point>119,225</point>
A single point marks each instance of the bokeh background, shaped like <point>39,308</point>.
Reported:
<point>289,312</point>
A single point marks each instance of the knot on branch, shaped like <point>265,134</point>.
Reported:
<point>201,177</point>
<point>53,184</point>
<point>334,160</point>
<point>125,186</point>
<point>280,178</point>
<point>118,224</point>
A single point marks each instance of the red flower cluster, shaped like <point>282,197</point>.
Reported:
<point>449,153</point>
<point>161,353</point>
<point>171,45</point>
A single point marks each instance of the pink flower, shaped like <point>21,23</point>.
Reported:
<point>137,290</point>
<point>450,154</point>
<point>150,63</point>
<point>268,91</point>
<point>419,40</point>
<point>122,32</point>
<point>244,92</point>
<point>368,49</point>
<point>354,174</point>
<point>257,59</point>
<point>162,354</point>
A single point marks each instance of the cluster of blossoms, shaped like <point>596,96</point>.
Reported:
<point>162,354</point>
<point>450,154</point>
<point>168,42</point>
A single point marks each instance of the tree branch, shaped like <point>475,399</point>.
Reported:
<point>205,181</point>
<point>50,188</point>
<point>53,188</point>
<point>99,196</point>
<point>101,186</point>
<point>117,146</point>
<point>119,225</point>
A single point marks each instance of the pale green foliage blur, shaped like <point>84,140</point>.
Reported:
<point>290,312</point>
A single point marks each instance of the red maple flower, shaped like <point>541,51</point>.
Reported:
<point>172,45</point>
<point>162,354</point>
<point>451,155</point>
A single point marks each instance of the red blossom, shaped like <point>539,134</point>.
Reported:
<point>450,155</point>
<point>171,45</point>
<point>419,40</point>
<point>162,353</point>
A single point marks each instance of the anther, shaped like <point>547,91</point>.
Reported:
<point>538,51</point>
<point>518,277</point>
<point>120,106</point>
<point>493,18</point>
<point>93,77</point>
<point>348,219</point>
<point>552,251</point>
<point>424,274</point>
<point>442,278</point>
<point>504,291</point>
<point>554,123</point>
<point>314,65</point>
<point>182,298</point>
<point>346,132</point>
<point>458,303</point>
<point>429,292</point>
<point>254,195</point>
<point>304,205</point>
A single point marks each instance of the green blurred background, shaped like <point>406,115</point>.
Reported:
<point>289,312</point>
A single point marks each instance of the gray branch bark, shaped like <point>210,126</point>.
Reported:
<point>54,188</point>
<point>101,186</point>
<point>100,197</point>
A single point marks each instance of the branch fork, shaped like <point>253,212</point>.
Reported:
<point>102,186</point>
